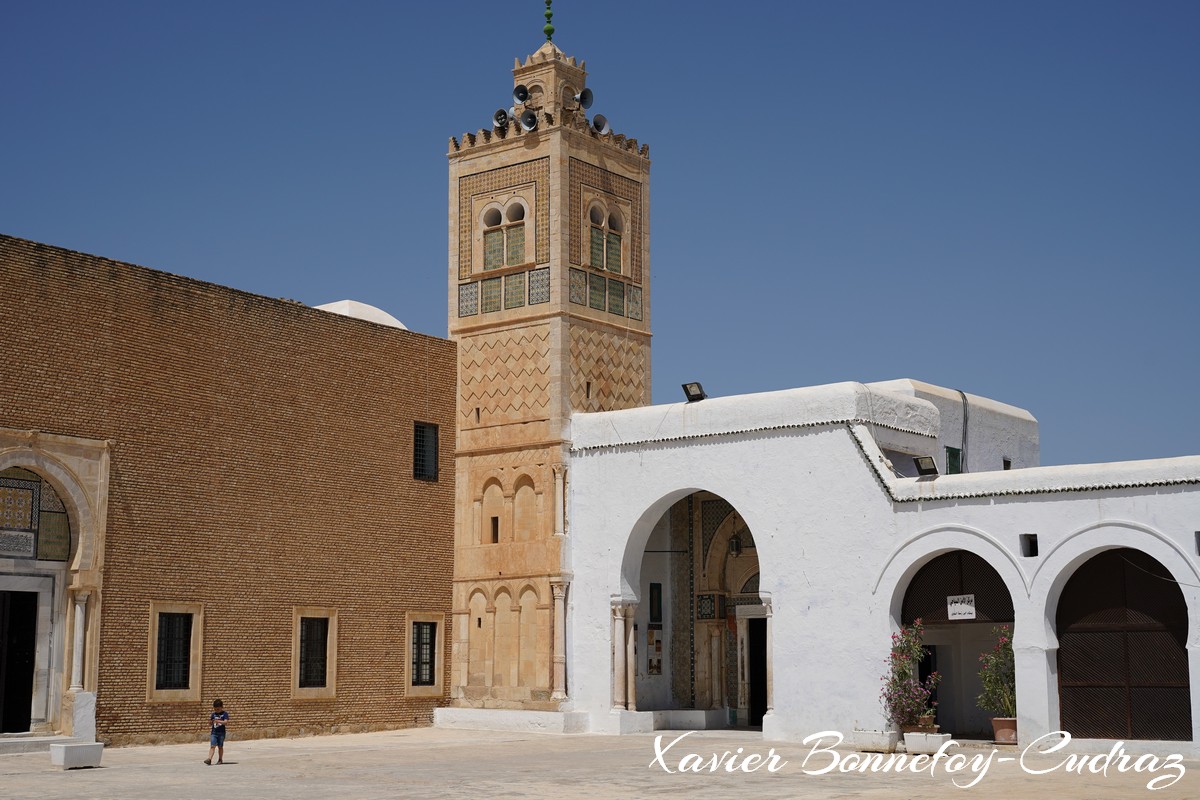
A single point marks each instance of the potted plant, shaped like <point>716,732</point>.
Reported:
<point>908,699</point>
<point>998,674</point>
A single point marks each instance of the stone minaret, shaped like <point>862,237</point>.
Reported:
<point>550,306</point>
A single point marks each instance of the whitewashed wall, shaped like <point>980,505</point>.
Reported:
<point>839,538</point>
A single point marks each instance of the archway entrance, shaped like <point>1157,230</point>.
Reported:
<point>1122,628</point>
<point>700,627</point>
<point>959,597</point>
<point>18,639</point>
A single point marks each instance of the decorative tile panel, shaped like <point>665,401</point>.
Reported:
<point>490,294</point>
<point>514,290</point>
<point>539,286</point>
<point>51,500</point>
<point>616,297</point>
<point>634,304</point>
<point>712,514</point>
<point>579,287</point>
<point>536,172</point>
<point>585,174</point>
<point>468,299</point>
<point>596,291</point>
<point>706,606</point>
<point>19,502</point>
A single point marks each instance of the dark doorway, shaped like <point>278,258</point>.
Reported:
<point>1122,651</point>
<point>757,664</point>
<point>927,666</point>
<point>18,641</point>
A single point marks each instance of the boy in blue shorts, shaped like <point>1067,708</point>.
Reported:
<point>216,737</point>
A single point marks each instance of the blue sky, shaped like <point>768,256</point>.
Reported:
<point>998,197</point>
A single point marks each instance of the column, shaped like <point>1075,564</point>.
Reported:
<point>618,655</point>
<point>743,686</point>
<point>715,666</point>
<point>770,660</point>
<point>630,658</point>
<point>560,471</point>
<point>81,599</point>
<point>559,661</point>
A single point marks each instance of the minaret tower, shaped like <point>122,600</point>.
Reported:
<point>549,286</point>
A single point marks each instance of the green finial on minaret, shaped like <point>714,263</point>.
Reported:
<point>549,29</point>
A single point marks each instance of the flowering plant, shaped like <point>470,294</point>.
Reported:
<point>905,697</point>
<point>998,675</point>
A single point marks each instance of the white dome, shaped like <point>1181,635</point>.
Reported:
<point>353,308</point>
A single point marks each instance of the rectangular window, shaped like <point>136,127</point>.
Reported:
<point>493,249</point>
<point>174,648</point>
<point>953,460</point>
<point>425,662</point>
<point>314,644</point>
<point>656,602</point>
<point>1007,463</point>
<point>495,530</point>
<point>425,451</point>
<point>1029,545</point>
<point>424,636</point>
<point>596,287</point>
<point>314,653</point>
<point>516,245</point>
<point>612,258</point>
<point>173,669</point>
<point>597,248</point>
<point>616,297</point>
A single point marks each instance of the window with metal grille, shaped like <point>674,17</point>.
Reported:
<point>425,451</point>
<point>424,651</point>
<point>953,460</point>
<point>314,647</point>
<point>173,669</point>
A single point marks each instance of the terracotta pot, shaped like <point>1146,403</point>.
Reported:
<point>1004,730</point>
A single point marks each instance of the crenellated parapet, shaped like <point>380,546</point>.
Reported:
<point>573,120</point>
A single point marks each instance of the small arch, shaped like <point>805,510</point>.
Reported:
<point>492,217</point>
<point>515,211</point>
<point>596,214</point>
<point>525,510</point>
<point>614,223</point>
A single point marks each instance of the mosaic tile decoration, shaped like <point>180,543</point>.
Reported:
<point>596,291</point>
<point>490,291</point>
<point>596,254</point>
<point>514,290</point>
<point>468,299</point>
<point>712,514</point>
<point>751,586</point>
<point>516,245</point>
<point>51,500</point>
<point>493,249</point>
<point>19,504</point>
<point>634,304</point>
<point>612,252</point>
<point>54,537</point>
<point>539,286</point>
<point>616,297</point>
<point>536,172</point>
<point>582,173</point>
<point>578,288</point>
<point>706,606</point>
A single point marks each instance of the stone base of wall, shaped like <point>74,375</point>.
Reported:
<point>497,719</point>
<point>243,734</point>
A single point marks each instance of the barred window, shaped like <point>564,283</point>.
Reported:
<point>173,670</point>
<point>425,451</point>
<point>424,650</point>
<point>605,249</point>
<point>314,644</point>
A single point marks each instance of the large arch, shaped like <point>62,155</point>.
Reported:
<point>1067,556</point>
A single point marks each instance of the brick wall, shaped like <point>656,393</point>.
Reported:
<point>262,461</point>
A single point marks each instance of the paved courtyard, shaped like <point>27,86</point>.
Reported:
<point>450,763</point>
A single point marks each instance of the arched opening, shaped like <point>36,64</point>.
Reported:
<point>960,598</point>
<point>35,536</point>
<point>700,626</point>
<point>1122,627</point>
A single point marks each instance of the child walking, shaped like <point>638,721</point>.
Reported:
<point>216,737</point>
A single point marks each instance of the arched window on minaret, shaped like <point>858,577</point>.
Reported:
<point>504,236</point>
<point>606,228</point>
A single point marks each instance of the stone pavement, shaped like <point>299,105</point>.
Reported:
<point>429,762</point>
